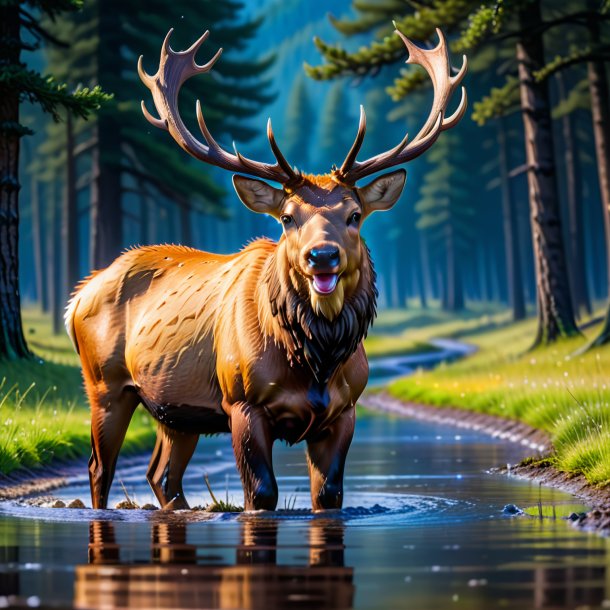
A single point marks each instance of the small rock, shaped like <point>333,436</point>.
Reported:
<point>127,505</point>
<point>58,504</point>
<point>511,509</point>
<point>77,503</point>
<point>149,506</point>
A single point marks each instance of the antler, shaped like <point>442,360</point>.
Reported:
<point>437,64</point>
<point>174,69</point>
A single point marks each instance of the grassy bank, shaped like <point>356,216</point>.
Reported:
<point>43,411</point>
<point>549,388</point>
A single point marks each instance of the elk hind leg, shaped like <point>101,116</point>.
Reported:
<point>171,455</point>
<point>110,417</point>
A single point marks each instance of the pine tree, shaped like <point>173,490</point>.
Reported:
<point>336,135</point>
<point>500,23</point>
<point>299,119</point>
<point>125,154</point>
<point>18,83</point>
<point>446,215</point>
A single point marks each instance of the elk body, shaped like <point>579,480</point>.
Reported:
<point>265,344</point>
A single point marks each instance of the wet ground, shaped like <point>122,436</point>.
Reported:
<point>423,527</point>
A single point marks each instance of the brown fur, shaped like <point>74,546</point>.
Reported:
<point>211,343</point>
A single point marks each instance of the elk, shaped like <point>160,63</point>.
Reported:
<point>264,344</point>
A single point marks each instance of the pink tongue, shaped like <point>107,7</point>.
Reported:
<point>325,282</point>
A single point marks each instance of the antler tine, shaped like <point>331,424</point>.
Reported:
<point>175,67</point>
<point>146,78</point>
<point>192,50</point>
<point>277,153</point>
<point>461,72</point>
<point>456,117</point>
<point>437,64</point>
<point>149,80</point>
<point>151,119</point>
<point>209,138</point>
<point>166,49</point>
<point>355,149</point>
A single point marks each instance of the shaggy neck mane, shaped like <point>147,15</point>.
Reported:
<point>309,339</point>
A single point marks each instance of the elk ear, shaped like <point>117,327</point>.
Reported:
<point>382,193</point>
<point>258,195</point>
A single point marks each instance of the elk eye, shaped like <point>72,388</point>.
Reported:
<point>354,219</point>
<point>286,220</point>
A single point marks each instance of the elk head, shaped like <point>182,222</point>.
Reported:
<point>321,215</point>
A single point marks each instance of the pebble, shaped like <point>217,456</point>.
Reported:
<point>77,503</point>
<point>126,505</point>
<point>511,509</point>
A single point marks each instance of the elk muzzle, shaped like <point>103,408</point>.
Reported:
<point>323,261</point>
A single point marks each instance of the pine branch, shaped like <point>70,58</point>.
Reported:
<point>487,19</point>
<point>578,98</point>
<point>12,128</point>
<point>501,101</point>
<point>487,23</point>
<point>52,8</point>
<point>407,82</point>
<point>576,56</point>
<point>420,25</point>
<point>49,94</point>
<point>40,33</point>
<point>349,27</point>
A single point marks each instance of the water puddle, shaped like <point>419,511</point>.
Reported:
<point>385,510</point>
<point>423,527</point>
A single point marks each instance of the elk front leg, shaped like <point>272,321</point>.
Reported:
<point>252,444</point>
<point>171,455</point>
<point>326,455</point>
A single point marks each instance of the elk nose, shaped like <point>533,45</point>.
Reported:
<point>324,257</point>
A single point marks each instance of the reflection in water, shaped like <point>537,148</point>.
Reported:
<point>175,578</point>
<point>570,587</point>
<point>455,551</point>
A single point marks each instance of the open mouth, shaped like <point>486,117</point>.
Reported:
<point>324,283</point>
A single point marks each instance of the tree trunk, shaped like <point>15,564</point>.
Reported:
<point>578,277</point>
<point>69,218</point>
<point>600,108</point>
<point>39,235</point>
<point>426,271</point>
<point>54,259</point>
<point>482,273</point>
<point>12,341</point>
<point>555,312</point>
<point>454,288</point>
<point>511,233</point>
<point>106,210</point>
<point>186,228</point>
<point>144,216</point>
<point>422,277</point>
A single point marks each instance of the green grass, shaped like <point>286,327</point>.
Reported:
<point>44,415</point>
<point>404,331</point>
<point>43,411</point>
<point>549,388</point>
